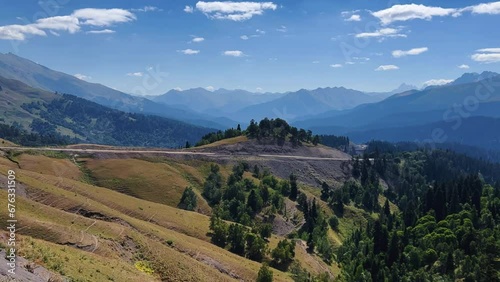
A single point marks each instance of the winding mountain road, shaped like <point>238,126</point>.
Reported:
<point>167,152</point>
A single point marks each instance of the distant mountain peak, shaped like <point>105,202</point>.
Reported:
<point>470,77</point>
<point>403,88</point>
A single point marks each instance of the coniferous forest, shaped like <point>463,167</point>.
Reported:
<point>446,226</point>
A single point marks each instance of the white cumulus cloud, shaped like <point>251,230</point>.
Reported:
<point>71,23</point>
<point>489,50</point>
<point>361,58</point>
<point>68,23</point>
<point>492,8</point>
<point>411,52</point>
<point>19,32</point>
<point>411,11</point>
<point>486,58</point>
<point>235,11</point>
<point>382,33</point>
<point>103,17</point>
<point>189,51</point>
<point>198,39</point>
<point>336,66</point>
<point>408,12</point>
<point>210,88</point>
<point>234,53</point>
<point>463,66</point>
<point>104,31</point>
<point>282,29</point>
<point>487,55</point>
<point>188,9</point>
<point>147,9</point>
<point>136,74</point>
<point>353,18</point>
<point>387,68</point>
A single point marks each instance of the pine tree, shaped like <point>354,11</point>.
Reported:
<point>265,274</point>
<point>393,253</point>
<point>189,200</point>
<point>236,237</point>
<point>325,191</point>
<point>254,202</point>
<point>356,170</point>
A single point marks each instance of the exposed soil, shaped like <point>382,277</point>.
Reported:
<point>26,271</point>
<point>256,147</point>
<point>312,164</point>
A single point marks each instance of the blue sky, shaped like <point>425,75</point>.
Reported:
<point>149,47</point>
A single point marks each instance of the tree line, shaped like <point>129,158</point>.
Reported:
<point>275,130</point>
<point>446,227</point>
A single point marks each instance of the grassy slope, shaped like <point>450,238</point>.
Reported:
<point>52,166</point>
<point>7,143</point>
<point>149,222</point>
<point>50,217</point>
<point>228,141</point>
<point>14,94</point>
<point>158,181</point>
<point>116,173</point>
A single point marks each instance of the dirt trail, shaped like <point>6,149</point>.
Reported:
<point>172,152</point>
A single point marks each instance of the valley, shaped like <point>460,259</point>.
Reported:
<point>248,141</point>
<point>90,205</point>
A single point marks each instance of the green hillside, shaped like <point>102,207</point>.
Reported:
<point>77,120</point>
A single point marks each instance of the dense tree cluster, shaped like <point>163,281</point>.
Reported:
<point>97,124</point>
<point>363,192</point>
<point>479,153</point>
<point>283,254</point>
<point>447,228</point>
<point>269,130</point>
<point>219,135</point>
<point>279,130</point>
<point>339,142</point>
<point>16,134</point>
<point>315,229</point>
<point>239,200</point>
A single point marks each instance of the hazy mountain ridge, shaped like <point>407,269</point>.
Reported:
<point>45,113</point>
<point>202,100</point>
<point>242,105</point>
<point>41,77</point>
<point>411,115</point>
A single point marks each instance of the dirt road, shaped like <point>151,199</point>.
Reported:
<point>168,152</point>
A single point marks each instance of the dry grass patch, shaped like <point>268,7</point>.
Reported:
<point>79,265</point>
<point>7,143</point>
<point>155,182</point>
<point>229,141</point>
<point>52,166</point>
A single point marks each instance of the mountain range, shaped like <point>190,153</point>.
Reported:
<point>332,110</point>
<point>453,110</point>
<point>242,106</point>
<point>79,120</point>
<point>41,77</point>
